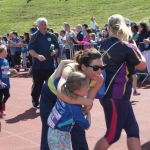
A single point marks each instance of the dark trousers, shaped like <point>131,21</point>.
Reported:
<point>47,101</point>
<point>68,53</point>
<point>13,60</point>
<point>39,76</point>
<point>17,57</point>
<point>78,138</point>
<point>4,95</point>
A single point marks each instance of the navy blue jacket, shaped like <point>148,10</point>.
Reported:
<point>41,45</point>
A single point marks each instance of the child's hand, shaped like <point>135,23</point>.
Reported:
<point>53,53</point>
<point>17,73</point>
<point>3,85</point>
<point>84,111</point>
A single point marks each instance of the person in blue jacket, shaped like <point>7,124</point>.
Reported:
<point>42,47</point>
<point>64,115</point>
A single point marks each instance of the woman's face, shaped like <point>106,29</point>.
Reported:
<point>105,33</point>
<point>87,34</point>
<point>133,29</point>
<point>25,36</point>
<point>140,28</point>
<point>89,71</point>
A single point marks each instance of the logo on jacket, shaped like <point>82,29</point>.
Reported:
<point>48,39</point>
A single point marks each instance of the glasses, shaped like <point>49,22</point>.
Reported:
<point>95,68</point>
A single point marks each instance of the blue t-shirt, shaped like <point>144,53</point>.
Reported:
<point>68,115</point>
<point>41,46</point>
<point>24,49</point>
<point>4,73</point>
<point>16,40</point>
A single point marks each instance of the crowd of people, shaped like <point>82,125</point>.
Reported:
<point>104,67</point>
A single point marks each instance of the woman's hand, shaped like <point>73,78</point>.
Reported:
<point>87,43</point>
<point>146,41</point>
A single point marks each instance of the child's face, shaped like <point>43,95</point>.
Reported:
<point>3,54</point>
<point>84,90</point>
<point>91,38</point>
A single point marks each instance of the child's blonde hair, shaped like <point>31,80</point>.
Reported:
<point>2,48</point>
<point>75,81</point>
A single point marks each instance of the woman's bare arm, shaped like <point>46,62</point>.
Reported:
<point>93,90</point>
<point>60,67</point>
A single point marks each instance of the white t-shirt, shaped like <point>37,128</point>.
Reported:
<point>93,24</point>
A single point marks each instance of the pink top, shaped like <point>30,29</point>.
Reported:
<point>85,39</point>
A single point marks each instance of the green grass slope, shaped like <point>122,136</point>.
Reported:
<point>19,15</point>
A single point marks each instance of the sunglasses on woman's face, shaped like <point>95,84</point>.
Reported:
<point>95,67</point>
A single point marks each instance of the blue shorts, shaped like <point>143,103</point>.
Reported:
<point>119,115</point>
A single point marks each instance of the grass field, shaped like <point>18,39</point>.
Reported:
<point>19,15</point>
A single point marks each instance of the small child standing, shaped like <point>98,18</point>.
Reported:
<point>4,79</point>
<point>64,115</point>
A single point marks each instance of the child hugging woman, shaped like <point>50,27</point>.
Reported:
<point>64,115</point>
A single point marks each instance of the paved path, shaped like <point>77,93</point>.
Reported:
<point>21,127</point>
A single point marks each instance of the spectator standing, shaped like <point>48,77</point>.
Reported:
<point>68,41</point>
<point>17,51</point>
<point>35,28</point>
<point>62,44</point>
<point>134,29</point>
<point>43,65</point>
<point>84,28</point>
<point>93,24</point>
<point>85,39</point>
<point>144,47</point>
<point>12,48</point>
<point>79,37</point>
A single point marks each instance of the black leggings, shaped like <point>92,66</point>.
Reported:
<point>4,95</point>
<point>17,58</point>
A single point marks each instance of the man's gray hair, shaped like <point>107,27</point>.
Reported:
<point>39,20</point>
<point>79,25</point>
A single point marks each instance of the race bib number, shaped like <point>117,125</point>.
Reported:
<point>53,118</point>
<point>5,70</point>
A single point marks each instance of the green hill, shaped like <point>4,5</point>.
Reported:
<point>19,15</point>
